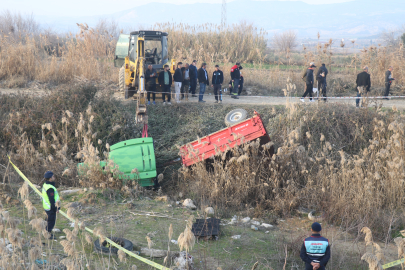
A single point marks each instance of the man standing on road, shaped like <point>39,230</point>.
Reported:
<point>315,250</point>
<point>309,83</point>
<point>363,84</point>
<point>150,77</point>
<point>388,82</point>
<point>165,82</point>
<point>186,81</point>
<point>50,198</point>
<point>178,80</point>
<point>235,77</point>
<point>203,80</point>
<point>217,80</point>
<point>321,78</point>
<point>193,77</point>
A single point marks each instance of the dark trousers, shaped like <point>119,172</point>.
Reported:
<point>184,90</point>
<point>387,89</point>
<point>217,92</point>
<point>151,88</point>
<point>322,89</point>
<point>51,220</point>
<point>308,90</point>
<point>240,89</point>
<point>308,266</point>
<point>235,87</point>
<point>166,89</point>
<point>193,86</point>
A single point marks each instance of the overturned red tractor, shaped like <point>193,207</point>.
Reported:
<point>239,131</point>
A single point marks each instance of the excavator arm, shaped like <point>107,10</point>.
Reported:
<point>141,111</point>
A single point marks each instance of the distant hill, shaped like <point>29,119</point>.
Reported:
<point>359,18</point>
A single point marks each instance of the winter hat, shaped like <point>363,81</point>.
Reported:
<point>48,174</point>
<point>316,227</point>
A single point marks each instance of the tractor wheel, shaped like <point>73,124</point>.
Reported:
<point>235,116</point>
<point>122,79</point>
<point>106,248</point>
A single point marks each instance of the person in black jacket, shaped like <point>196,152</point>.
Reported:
<point>193,78</point>
<point>321,78</point>
<point>150,78</point>
<point>203,80</point>
<point>165,82</point>
<point>315,250</point>
<point>363,84</point>
<point>388,81</point>
<point>309,83</point>
<point>178,80</point>
<point>217,80</point>
<point>235,77</point>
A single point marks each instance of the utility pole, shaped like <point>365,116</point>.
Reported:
<point>223,14</point>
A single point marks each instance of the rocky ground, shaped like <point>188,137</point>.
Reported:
<point>243,239</point>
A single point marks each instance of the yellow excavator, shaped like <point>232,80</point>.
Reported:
<point>133,54</point>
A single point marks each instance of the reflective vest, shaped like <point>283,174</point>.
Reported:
<point>316,246</point>
<point>45,199</point>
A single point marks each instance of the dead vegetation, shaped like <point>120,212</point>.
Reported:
<point>343,163</point>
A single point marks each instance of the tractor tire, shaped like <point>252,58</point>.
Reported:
<point>121,79</point>
<point>113,250</point>
<point>235,116</point>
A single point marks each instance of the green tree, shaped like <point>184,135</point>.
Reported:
<point>403,38</point>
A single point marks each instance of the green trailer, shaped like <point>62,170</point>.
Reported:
<point>131,154</point>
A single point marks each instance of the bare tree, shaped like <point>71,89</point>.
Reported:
<point>285,41</point>
<point>15,24</point>
<point>390,37</point>
<point>108,28</point>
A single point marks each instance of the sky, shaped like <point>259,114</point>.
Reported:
<point>73,8</point>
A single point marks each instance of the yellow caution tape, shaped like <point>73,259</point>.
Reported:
<point>157,266</point>
<point>394,263</point>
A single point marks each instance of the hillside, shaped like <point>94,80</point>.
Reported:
<point>358,18</point>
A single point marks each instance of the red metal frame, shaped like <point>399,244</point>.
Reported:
<point>205,148</point>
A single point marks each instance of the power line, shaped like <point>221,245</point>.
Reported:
<point>223,14</point>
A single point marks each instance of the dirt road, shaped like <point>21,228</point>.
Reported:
<point>399,103</point>
<point>251,100</point>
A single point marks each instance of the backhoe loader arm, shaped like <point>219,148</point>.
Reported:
<point>141,113</point>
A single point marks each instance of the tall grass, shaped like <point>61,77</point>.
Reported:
<point>343,163</point>
<point>30,54</point>
<point>212,43</point>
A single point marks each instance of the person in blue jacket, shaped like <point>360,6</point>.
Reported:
<point>315,250</point>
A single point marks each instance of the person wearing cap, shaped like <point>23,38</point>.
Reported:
<point>217,80</point>
<point>235,78</point>
<point>50,197</point>
<point>309,82</point>
<point>315,250</point>
<point>363,82</point>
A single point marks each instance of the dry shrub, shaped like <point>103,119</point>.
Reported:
<point>47,133</point>
<point>356,184</point>
<point>212,43</point>
<point>49,58</point>
<point>186,239</point>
